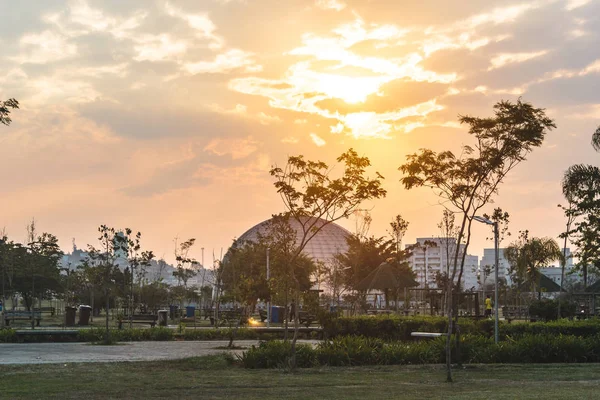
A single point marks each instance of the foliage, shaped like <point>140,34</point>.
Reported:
<point>395,328</point>
<point>32,270</point>
<point>581,188</point>
<point>357,351</point>
<point>527,255</point>
<point>276,354</point>
<point>547,309</point>
<point>467,183</point>
<point>314,199</point>
<point>5,107</point>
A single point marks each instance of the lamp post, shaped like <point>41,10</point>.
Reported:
<point>495,225</point>
<point>269,301</point>
<point>2,242</point>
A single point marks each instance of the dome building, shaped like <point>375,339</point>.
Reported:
<point>330,240</point>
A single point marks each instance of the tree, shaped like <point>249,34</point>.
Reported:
<point>101,266</point>
<point>502,219</point>
<point>468,182</point>
<point>581,188</point>
<point>399,226</point>
<point>314,199</point>
<point>596,139</point>
<point>5,107</point>
<point>137,261</point>
<point>527,255</point>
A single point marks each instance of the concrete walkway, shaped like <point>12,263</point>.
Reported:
<point>49,353</point>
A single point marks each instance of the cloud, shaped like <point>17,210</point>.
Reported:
<point>236,148</point>
<point>336,5</point>
<point>158,48</point>
<point>201,23</point>
<point>45,47</point>
<point>512,58</point>
<point>317,140</point>
<point>231,60</point>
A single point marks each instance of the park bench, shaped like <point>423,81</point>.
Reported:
<point>139,319</point>
<point>48,310</point>
<point>306,318</point>
<point>427,335</point>
<point>230,316</point>
<point>22,316</point>
<point>515,312</point>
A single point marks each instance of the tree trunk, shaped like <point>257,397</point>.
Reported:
<point>107,337</point>
<point>296,330</point>
<point>449,333</point>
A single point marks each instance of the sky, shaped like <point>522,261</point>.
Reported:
<point>166,116</point>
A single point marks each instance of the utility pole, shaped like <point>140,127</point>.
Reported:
<point>496,246</point>
<point>2,243</point>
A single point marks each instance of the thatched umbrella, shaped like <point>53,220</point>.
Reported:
<point>386,277</point>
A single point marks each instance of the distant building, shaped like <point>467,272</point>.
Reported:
<point>555,272</point>
<point>157,270</point>
<point>437,261</point>
<point>487,265</point>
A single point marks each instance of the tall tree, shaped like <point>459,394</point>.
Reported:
<point>315,199</point>
<point>103,268</point>
<point>5,108</point>
<point>468,182</point>
<point>581,189</point>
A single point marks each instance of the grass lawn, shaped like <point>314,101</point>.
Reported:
<point>212,378</point>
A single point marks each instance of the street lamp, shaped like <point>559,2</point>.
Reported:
<point>495,225</point>
<point>269,301</point>
<point>2,243</point>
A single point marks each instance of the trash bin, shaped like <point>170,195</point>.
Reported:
<point>277,314</point>
<point>162,317</point>
<point>173,311</point>
<point>84,315</point>
<point>190,311</point>
<point>70,316</point>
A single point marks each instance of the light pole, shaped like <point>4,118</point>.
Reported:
<point>2,243</point>
<point>495,225</point>
<point>269,301</point>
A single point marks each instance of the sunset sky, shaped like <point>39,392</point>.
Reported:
<point>165,116</point>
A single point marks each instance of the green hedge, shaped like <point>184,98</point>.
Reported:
<point>395,328</point>
<point>399,328</point>
<point>218,334</point>
<point>356,351</point>
<point>91,335</point>
<point>137,335</point>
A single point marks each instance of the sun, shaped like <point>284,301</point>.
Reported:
<point>352,89</point>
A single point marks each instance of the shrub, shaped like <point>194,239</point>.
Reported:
<point>354,351</point>
<point>8,336</point>
<point>390,327</point>
<point>276,353</point>
<point>219,334</point>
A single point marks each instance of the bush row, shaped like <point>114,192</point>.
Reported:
<point>400,328</point>
<point>138,335</point>
<point>356,351</point>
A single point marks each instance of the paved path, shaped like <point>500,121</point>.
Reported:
<point>48,353</point>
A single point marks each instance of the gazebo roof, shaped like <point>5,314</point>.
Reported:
<point>386,276</point>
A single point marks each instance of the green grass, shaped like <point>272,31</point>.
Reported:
<point>213,377</point>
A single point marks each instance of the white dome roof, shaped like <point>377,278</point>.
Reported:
<point>330,240</point>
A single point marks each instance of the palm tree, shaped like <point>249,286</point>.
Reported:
<point>527,256</point>
<point>581,188</point>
